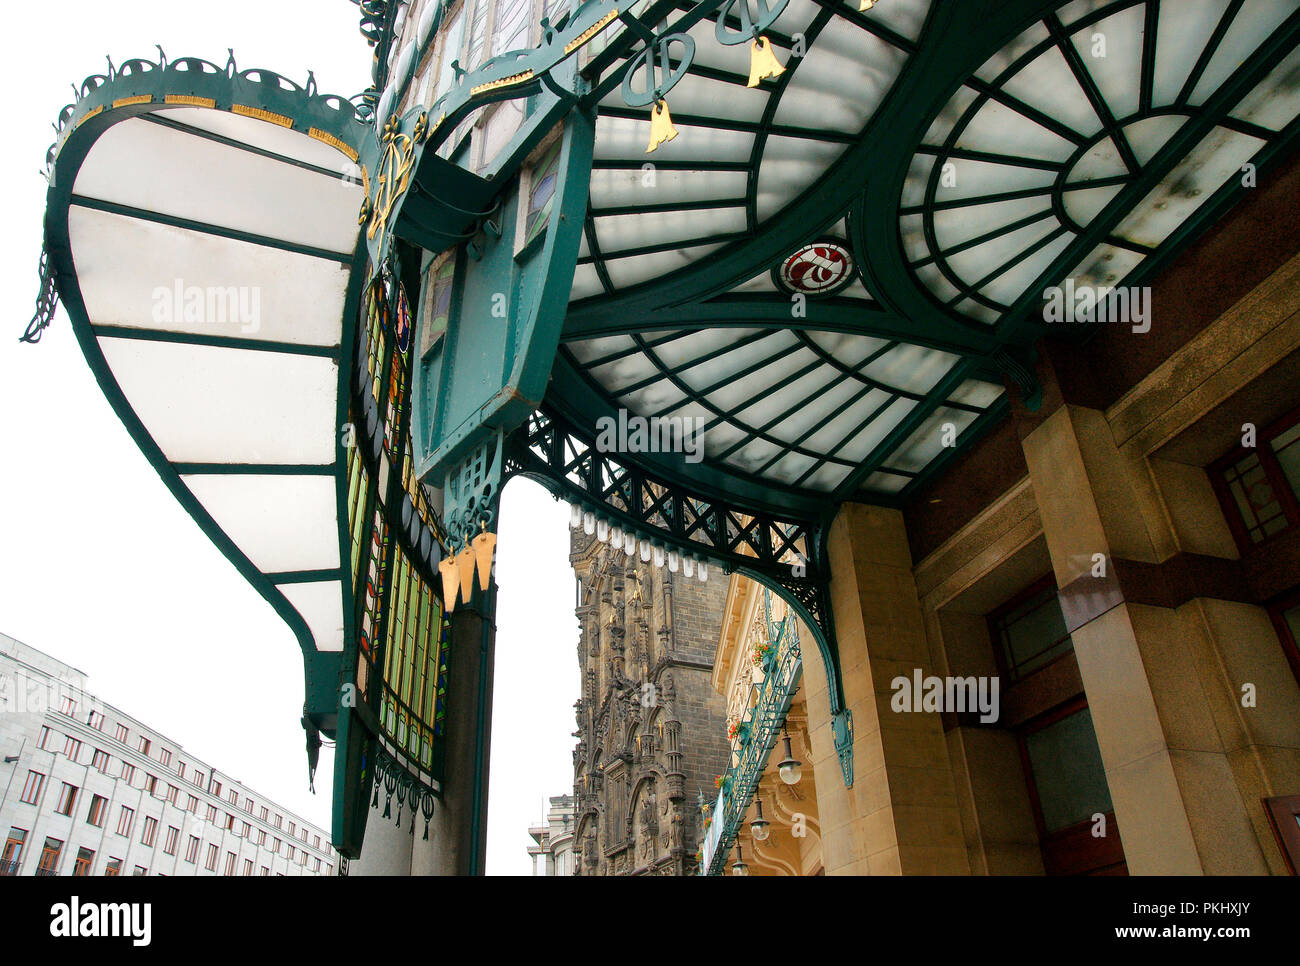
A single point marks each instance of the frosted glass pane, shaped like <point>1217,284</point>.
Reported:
<point>264,135</point>
<point>281,523</point>
<point>321,606</point>
<point>585,283</point>
<point>911,368</point>
<point>654,398</point>
<point>1183,31</point>
<point>589,349</point>
<point>129,271</point>
<point>973,392</point>
<point>742,391</point>
<point>151,167</point>
<point>1048,84</point>
<point>615,375</point>
<point>728,365</point>
<point>790,165</point>
<point>203,404</point>
<point>973,178</point>
<point>952,226</point>
<point>880,482</point>
<point>618,137</point>
<point>974,263</point>
<point>1035,34</point>
<point>639,268</point>
<point>684,351</point>
<point>1217,158</point>
<point>842,79</point>
<point>1276,101</point>
<point>1118,75</point>
<point>1254,23</point>
<point>848,350</point>
<point>1011,284</point>
<point>1106,266</point>
<point>1001,130</point>
<point>617,187</point>
<point>618,233</point>
<point>1083,206</point>
<point>927,441</point>
<point>817,407</point>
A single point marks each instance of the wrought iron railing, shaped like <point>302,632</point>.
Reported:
<point>9,868</point>
<point>752,746</point>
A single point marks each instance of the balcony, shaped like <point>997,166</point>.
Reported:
<point>9,868</point>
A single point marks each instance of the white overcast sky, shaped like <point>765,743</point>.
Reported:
<point>101,567</point>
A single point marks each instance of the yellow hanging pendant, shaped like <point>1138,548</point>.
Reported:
<point>661,126</point>
<point>465,562</point>
<point>450,582</point>
<point>762,62</point>
<point>484,545</point>
<point>866,5</point>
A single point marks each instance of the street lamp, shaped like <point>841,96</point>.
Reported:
<point>759,827</point>
<point>791,770</point>
<point>739,867</point>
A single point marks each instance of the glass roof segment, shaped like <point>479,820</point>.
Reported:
<point>1090,102</point>
<point>204,222</point>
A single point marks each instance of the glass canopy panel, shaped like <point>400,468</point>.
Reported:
<point>321,606</point>
<point>928,440</point>
<point>213,404</point>
<point>283,524</point>
<point>624,272</point>
<point>615,188</point>
<point>1068,124</point>
<point>158,169</point>
<point>618,233</point>
<point>129,270</point>
<point>263,136</point>
<point>1276,101</point>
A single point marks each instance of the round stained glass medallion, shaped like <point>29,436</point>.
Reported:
<point>822,267</point>
<point>403,319</point>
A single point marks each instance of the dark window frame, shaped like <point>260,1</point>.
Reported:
<point>1268,461</point>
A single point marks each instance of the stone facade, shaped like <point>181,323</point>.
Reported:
<point>651,729</point>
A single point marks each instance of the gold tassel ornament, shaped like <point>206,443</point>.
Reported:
<point>661,125</point>
<point>450,582</point>
<point>762,62</point>
<point>484,546</point>
<point>866,5</point>
<point>465,563</point>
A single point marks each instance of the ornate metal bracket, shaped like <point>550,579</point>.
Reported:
<point>410,792</point>
<point>47,301</point>
<point>842,730</point>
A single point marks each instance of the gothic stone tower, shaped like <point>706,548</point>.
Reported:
<point>651,730</point>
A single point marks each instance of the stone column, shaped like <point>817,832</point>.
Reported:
<point>901,815</point>
<point>1182,756</point>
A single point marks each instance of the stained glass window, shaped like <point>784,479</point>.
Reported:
<point>541,191</point>
<point>400,671</point>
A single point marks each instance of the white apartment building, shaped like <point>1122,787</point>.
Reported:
<point>552,848</point>
<point>85,789</point>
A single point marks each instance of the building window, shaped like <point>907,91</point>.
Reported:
<point>1064,774</point>
<point>72,748</point>
<point>192,849</point>
<point>316,841</point>
<point>49,864</point>
<point>151,784</point>
<point>275,846</point>
<point>1259,486</point>
<point>145,745</point>
<point>32,788</point>
<point>67,706</point>
<point>128,773</point>
<point>13,853</point>
<point>278,820</point>
<point>1029,632</point>
<point>230,863</point>
<point>172,793</point>
<point>248,867</point>
<point>315,865</point>
<point>292,852</point>
<point>85,859</point>
<point>43,742</point>
<point>212,813</point>
<point>248,805</point>
<point>150,831</point>
<point>98,808</point>
<point>140,870</point>
<point>261,836</point>
<point>215,789</point>
<point>233,797</point>
<point>292,828</point>
<point>198,778</point>
<point>114,867</point>
<point>1286,619</point>
<point>165,757</point>
<point>211,863</point>
<point>265,871</point>
<point>121,733</point>
<point>173,836</point>
<point>180,769</point>
<point>67,799</point>
<point>262,813</point>
<point>99,760</point>
<point>192,804</point>
<point>96,720</point>
<point>125,821</point>
<point>248,830</point>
